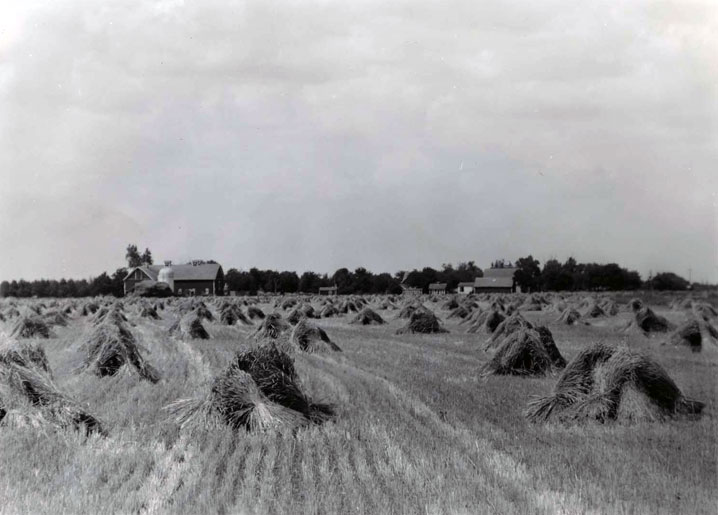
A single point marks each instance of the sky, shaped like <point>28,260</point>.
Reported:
<point>305,135</point>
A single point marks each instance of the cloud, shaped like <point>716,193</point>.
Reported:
<point>313,135</point>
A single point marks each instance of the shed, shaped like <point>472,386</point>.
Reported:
<point>494,284</point>
<point>465,288</point>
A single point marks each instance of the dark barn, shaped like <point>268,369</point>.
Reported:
<point>184,280</point>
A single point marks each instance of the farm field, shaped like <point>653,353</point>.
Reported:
<point>417,428</point>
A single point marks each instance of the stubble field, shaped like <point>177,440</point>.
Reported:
<point>418,430</point>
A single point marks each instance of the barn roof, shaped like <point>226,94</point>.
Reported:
<point>493,282</point>
<point>500,272</point>
<point>150,270</point>
<point>205,272</point>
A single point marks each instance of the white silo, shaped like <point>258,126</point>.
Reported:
<point>167,275</point>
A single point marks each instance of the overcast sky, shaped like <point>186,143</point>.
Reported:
<point>391,135</point>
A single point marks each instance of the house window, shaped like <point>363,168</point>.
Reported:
<point>206,291</point>
<point>138,275</point>
<point>191,291</point>
<point>179,290</point>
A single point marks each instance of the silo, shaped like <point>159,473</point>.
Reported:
<point>167,275</point>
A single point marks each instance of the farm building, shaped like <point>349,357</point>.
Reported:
<point>406,289</point>
<point>465,288</point>
<point>437,288</point>
<point>184,280</point>
<point>500,272</point>
<point>494,284</point>
<point>328,290</point>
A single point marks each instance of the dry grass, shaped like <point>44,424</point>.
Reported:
<point>596,384</point>
<point>416,431</point>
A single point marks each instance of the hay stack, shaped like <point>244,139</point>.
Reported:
<point>594,311</point>
<point>28,396</point>
<point>531,304</point>
<point>308,311</point>
<point>689,335</point>
<point>203,313</point>
<point>89,308</point>
<point>461,312</point>
<point>570,316</point>
<point>288,304</point>
<point>606,383</point>
<point>112,346</point>
<point>513,323</point>
<point>149,312</point>
<point>348,306</point>
<point>254,312</point>
<point>710,333</point>
<point>557,360</point>
<point>29,326</point>
<point>387,305</point>
<point>422,321</point>
<point>272,326</point>
<point>648,322</point>
<point>311,338</point>
<point>487,322</point>
<point>189,327</point>
<point>258,391</point>
<point>558,306</point>
<point>705,311</point>
<point>368,316</point>
<point>295,316</point>
<point>57,318</point>
<point>23,354</point>
<point>112,314</point>
<point>329,311</point>
<point>11,312</point>
<point>635,305</point>
<point>409,309</point>
<point>450,304</point>
<point>230,314</point>
<point>521,353</point>
<point>609,307</point>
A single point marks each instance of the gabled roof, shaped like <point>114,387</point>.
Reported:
<point>150,271</point>
<point>206,272</point>
<point>437,286</point>
<point>493,282</point>
<point>500,272</point>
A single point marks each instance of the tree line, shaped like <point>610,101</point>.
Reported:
<point>529,276</point>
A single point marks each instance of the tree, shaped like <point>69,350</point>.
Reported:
<point>133,256</point>
<point>288,282</point>
<point>146,257</point>
<point>309,282</point>
<point>362,281</point>
<point>668,281</point>
<point>118,285</point>
<point>343,280</point>
<point>101,285</point>
<point>237,280</point>
<point>528,273</point>
<point>554,277</point>
<point>4,289</point>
